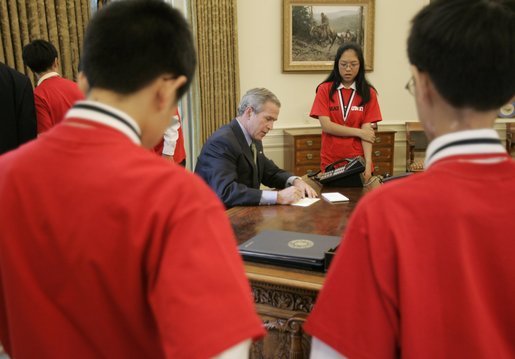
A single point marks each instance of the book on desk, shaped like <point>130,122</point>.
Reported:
<point>290,249</point>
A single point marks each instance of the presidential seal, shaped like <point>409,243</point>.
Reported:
<point>300,244</point>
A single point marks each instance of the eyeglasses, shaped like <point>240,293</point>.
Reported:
<point>410,86</point>
<point>351,65</point>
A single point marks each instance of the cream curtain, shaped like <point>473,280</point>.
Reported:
<point>62,22</point>
<point>215,29</point>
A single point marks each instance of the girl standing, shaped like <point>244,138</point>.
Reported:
<point>346,105</point>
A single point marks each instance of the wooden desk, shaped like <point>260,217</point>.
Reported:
<point>285,296</point>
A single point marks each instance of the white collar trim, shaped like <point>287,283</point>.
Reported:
<point>463,149</point>
<point>245,133</point>
<point>47,76</point>
<point>352,86</point>
<point>100,114</point>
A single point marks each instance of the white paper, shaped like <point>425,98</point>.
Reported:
<point>305,202</point>
<point>334,197</point>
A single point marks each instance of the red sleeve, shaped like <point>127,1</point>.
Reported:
<point>158,149</point>
<point>43,114</point>
<point>4,324</point>
<point>180,151</point>
<point>199,293</point>
<point>352,314</point>
<point>321,104</point>
<point>372,111</point>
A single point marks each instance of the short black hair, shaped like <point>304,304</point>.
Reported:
<point>362,84</point>
<point>130,43</point>
<point>467,47</point>
<point>39,55</point>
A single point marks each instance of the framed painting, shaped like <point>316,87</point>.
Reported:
<point>313,30</point>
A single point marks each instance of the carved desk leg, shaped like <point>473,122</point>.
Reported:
<point>294,326</point>
<point>283,311</point>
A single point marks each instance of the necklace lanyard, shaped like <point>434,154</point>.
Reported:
<point>346,109</point>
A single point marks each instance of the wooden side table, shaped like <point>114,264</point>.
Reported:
<point>303,151</point>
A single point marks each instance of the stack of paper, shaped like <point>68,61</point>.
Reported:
<point>334,197</point>
<point>305,202</point>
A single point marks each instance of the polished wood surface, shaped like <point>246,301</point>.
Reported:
<point>285,296</point>
<point>321,217</point>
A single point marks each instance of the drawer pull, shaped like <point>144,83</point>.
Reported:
<point>376,168</point>
<point>378,139</point>
<point>377,153</point>
<point>309,142</point>
<point>309,156</point>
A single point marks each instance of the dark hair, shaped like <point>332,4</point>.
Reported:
<point>130,43</point>
<point>362,84</point>
<point>39,55</point>
<point>467,47</point>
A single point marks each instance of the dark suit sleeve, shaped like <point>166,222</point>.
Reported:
<point>221,164</point>
<point>27,125</point>
<point>273,176</point>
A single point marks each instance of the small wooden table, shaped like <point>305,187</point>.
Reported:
<point>285,296</point>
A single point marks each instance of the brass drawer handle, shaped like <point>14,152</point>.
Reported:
<point>376,168</point>
<point>378,139</point>
<point>309,142</point>
<point>377,153</point>
<point>309,156</point>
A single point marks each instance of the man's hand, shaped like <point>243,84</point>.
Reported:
<point>306,189</point>
<point>289,195</point>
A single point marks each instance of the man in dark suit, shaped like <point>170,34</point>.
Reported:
<point>18,119</point>
<point>232,161</point>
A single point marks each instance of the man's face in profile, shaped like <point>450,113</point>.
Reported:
<point>260,123</point>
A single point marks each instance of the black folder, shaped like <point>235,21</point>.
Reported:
<point>290,249</point>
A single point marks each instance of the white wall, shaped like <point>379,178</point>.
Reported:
<point>260,36</point>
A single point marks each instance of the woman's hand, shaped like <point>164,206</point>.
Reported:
<point>367,134</point>
<point>367,174</point>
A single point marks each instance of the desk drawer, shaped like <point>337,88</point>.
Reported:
<point>308,142</point>
<point>382,168</point>
<point>307,157</point>
<point>381,153</point>
<point>384,138</point>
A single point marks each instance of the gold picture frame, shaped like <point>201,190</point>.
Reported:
<point>314,29</point>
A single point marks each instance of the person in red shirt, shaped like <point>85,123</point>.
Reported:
<point>53,95</point>
<point>346,105</point>
<point>425,268</point>
<point>171,145</point>
<point>101,256</point>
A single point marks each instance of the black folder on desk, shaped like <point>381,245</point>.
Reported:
<point>290,249</point>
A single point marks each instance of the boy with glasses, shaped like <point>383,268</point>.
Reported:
<point>425,269</point>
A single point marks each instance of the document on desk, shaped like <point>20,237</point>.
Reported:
<point>334,197</point>
<point>305,202</point>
